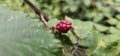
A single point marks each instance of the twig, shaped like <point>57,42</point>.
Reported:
<point>77,46</point>
<point>38,12</point>
<point>74,49</point>
<point>63,51</point>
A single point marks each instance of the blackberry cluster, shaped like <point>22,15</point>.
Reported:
<point>64,26</point>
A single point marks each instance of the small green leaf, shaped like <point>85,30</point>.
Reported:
<point>114,30</point>
<point>72,37</point>
<point>112,21</point>
<point>100,27</point>
<point>53,22</point>
<point>118,25</point>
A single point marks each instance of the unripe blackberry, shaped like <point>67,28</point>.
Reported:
<point>64,26</point>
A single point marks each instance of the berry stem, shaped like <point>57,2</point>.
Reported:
<point>38,12</point>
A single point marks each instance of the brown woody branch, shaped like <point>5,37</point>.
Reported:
<point>38,12</point>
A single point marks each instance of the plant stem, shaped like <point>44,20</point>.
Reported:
<point>63,51</point>
<point>38,12</point>
<point>77,46</point>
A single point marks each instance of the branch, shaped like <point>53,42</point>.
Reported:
<point>63,51</point>
<point>77,47</point>
<point>38,12</point>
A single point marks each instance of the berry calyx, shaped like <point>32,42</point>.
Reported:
<point>64,26</point>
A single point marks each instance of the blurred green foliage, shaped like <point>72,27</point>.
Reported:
<point>95,22</point>
<point>105,12</point>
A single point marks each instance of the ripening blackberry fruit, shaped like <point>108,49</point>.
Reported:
<point>63,26</point>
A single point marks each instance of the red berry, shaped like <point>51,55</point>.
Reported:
<point>64,26</point>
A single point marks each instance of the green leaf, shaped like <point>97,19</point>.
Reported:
<point>118,25</point>
<point>100,27</point>
<point>56,11</point>
<point>98,17</point>
<point>53,22</point>
<point>91,40</point>
<point>82,29</point>
<point>22,36</point>
<point>72,37</point>
<point>109,46</point>
<point>112,21</point>
<point>114,30</point>
<point>87,2</point>
<point>117,16</point>
<point>72,6</point>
